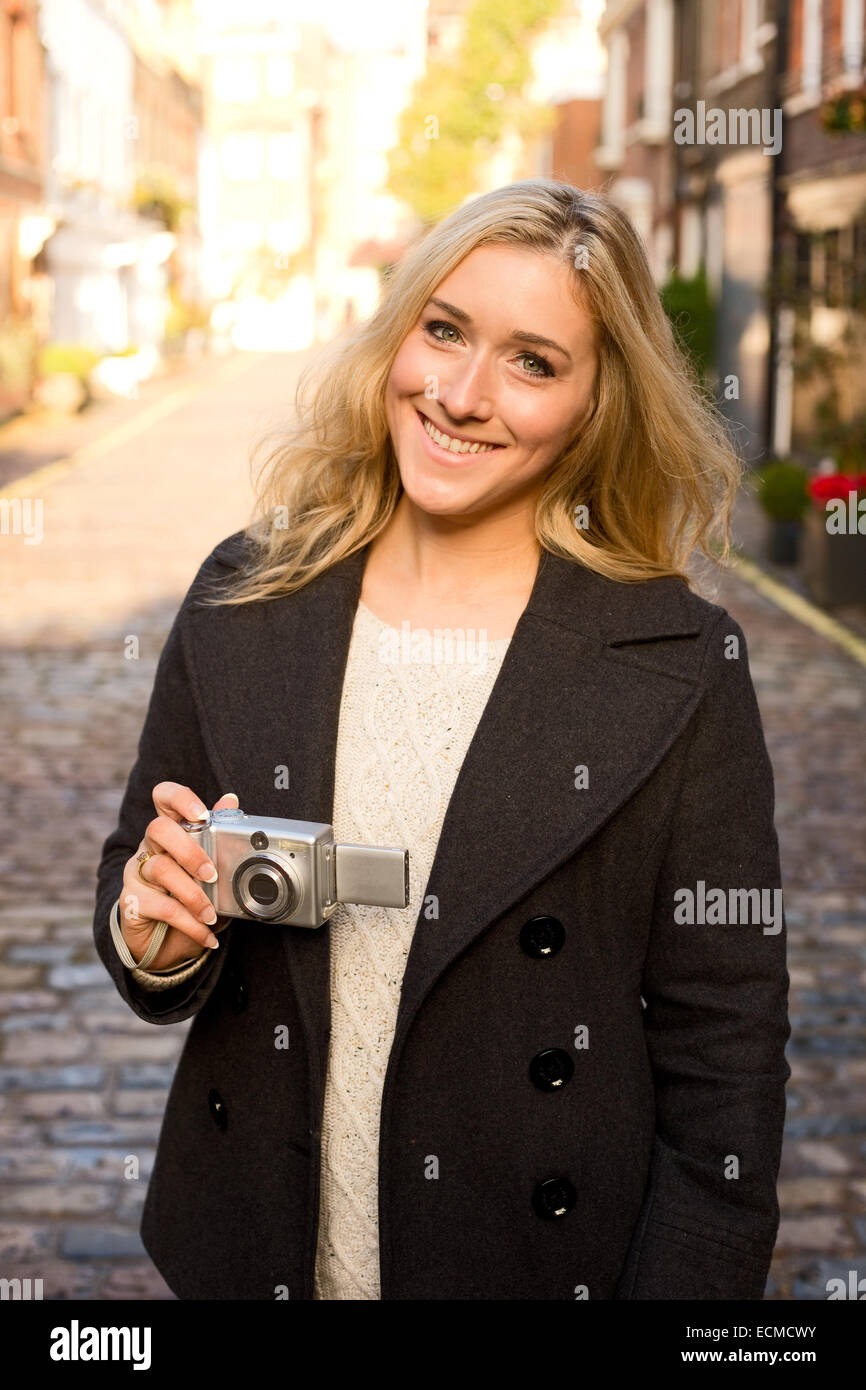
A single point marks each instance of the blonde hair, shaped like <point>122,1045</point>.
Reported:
<point>652,461</point>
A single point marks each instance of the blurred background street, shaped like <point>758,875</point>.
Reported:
<point>191,201</point>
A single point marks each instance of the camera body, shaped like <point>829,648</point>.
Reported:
<point>290,872</point>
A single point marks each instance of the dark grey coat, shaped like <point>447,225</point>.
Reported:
<point>665,1138</point>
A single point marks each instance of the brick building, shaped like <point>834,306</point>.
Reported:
<point>822,224</point>
<point>22,155</point>
<point>733,134</point>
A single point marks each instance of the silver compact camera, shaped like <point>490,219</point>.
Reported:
<point>290,872</point>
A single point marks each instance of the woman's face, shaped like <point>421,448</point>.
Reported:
<point>475,368</point>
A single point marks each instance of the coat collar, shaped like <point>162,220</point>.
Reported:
<point>588,678</point>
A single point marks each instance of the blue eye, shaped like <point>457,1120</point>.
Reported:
<point>546,368</point>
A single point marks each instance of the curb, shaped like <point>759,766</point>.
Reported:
<point>800,608</point>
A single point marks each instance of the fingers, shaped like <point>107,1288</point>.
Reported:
<point>170,890</point>
<point>164,834</point>
<point>177,802</point>
<point>163,872</point>
<point>141,905</point>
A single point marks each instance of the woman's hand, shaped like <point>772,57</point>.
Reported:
<point>170,890</point>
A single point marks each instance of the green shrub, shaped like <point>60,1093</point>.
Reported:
<point>691,311</point>
<point>66,357</point>
<point>782,489</point>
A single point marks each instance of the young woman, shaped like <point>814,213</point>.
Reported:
<point>559,1072</point>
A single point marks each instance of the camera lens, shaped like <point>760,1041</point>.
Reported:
<point>263,889</point>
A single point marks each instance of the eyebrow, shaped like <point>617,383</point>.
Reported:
<point>518,336</point>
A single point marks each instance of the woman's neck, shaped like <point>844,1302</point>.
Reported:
<point>456,564</point>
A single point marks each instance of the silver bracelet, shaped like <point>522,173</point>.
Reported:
<point>156,939</point>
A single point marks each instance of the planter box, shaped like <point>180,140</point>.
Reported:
<point>62,391</point>
<point>834,566</point>
<point>783,541</point>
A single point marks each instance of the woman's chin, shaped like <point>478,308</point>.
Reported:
<point>436,494</point>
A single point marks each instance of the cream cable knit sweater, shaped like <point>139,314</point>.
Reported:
<point>407,718</point>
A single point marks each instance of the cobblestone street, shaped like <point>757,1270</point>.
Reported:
<point>83,1081</point>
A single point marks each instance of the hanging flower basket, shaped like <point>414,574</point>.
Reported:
<point>846,112</point>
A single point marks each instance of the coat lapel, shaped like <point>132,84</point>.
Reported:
<point>581,684</point>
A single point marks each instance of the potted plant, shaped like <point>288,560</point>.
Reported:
<point>834,552</point>
<point>62,371</point>
<point>783,496</point>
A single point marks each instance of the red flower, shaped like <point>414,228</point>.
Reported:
<point>835,485</point>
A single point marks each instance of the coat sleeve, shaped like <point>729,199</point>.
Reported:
<point>716,1020</point>
<point>171,748</point>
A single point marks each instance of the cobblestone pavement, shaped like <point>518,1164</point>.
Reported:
<point>83,1081</point>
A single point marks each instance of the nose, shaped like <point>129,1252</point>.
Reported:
<point>466,391</point>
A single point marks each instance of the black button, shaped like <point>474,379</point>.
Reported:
<point>553,1198</point>
<point>551,1069</point>
<point>218,1110</point>
<point>542,936</point>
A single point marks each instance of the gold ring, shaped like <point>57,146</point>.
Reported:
<point>142,860</point>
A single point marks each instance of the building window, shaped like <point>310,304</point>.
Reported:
<point>285,156</point>
<point>242,155</point>
<point>858,276</point>
<point>795,37</point>
<point>811,41</point>
<point>831,266</point>
<point>851,37</point>
<point>235,79</point>
<point>614,110</point>
<point>243,235</point>
<point>658,65</point>
<point>279,75</point>
<point>728,34</point>
<point>285,237</point>
<point>834,274</point>
<point>803,264</point>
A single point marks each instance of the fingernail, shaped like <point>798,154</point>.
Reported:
<point>198,812</point>
<point>234,795</point>
<point>208,917</point>
<point>211,940</point>
<point>207,873</point>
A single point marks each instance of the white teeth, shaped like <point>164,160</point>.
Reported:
<point>454,446</point>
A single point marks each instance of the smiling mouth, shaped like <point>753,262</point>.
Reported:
<point>452,443</point>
